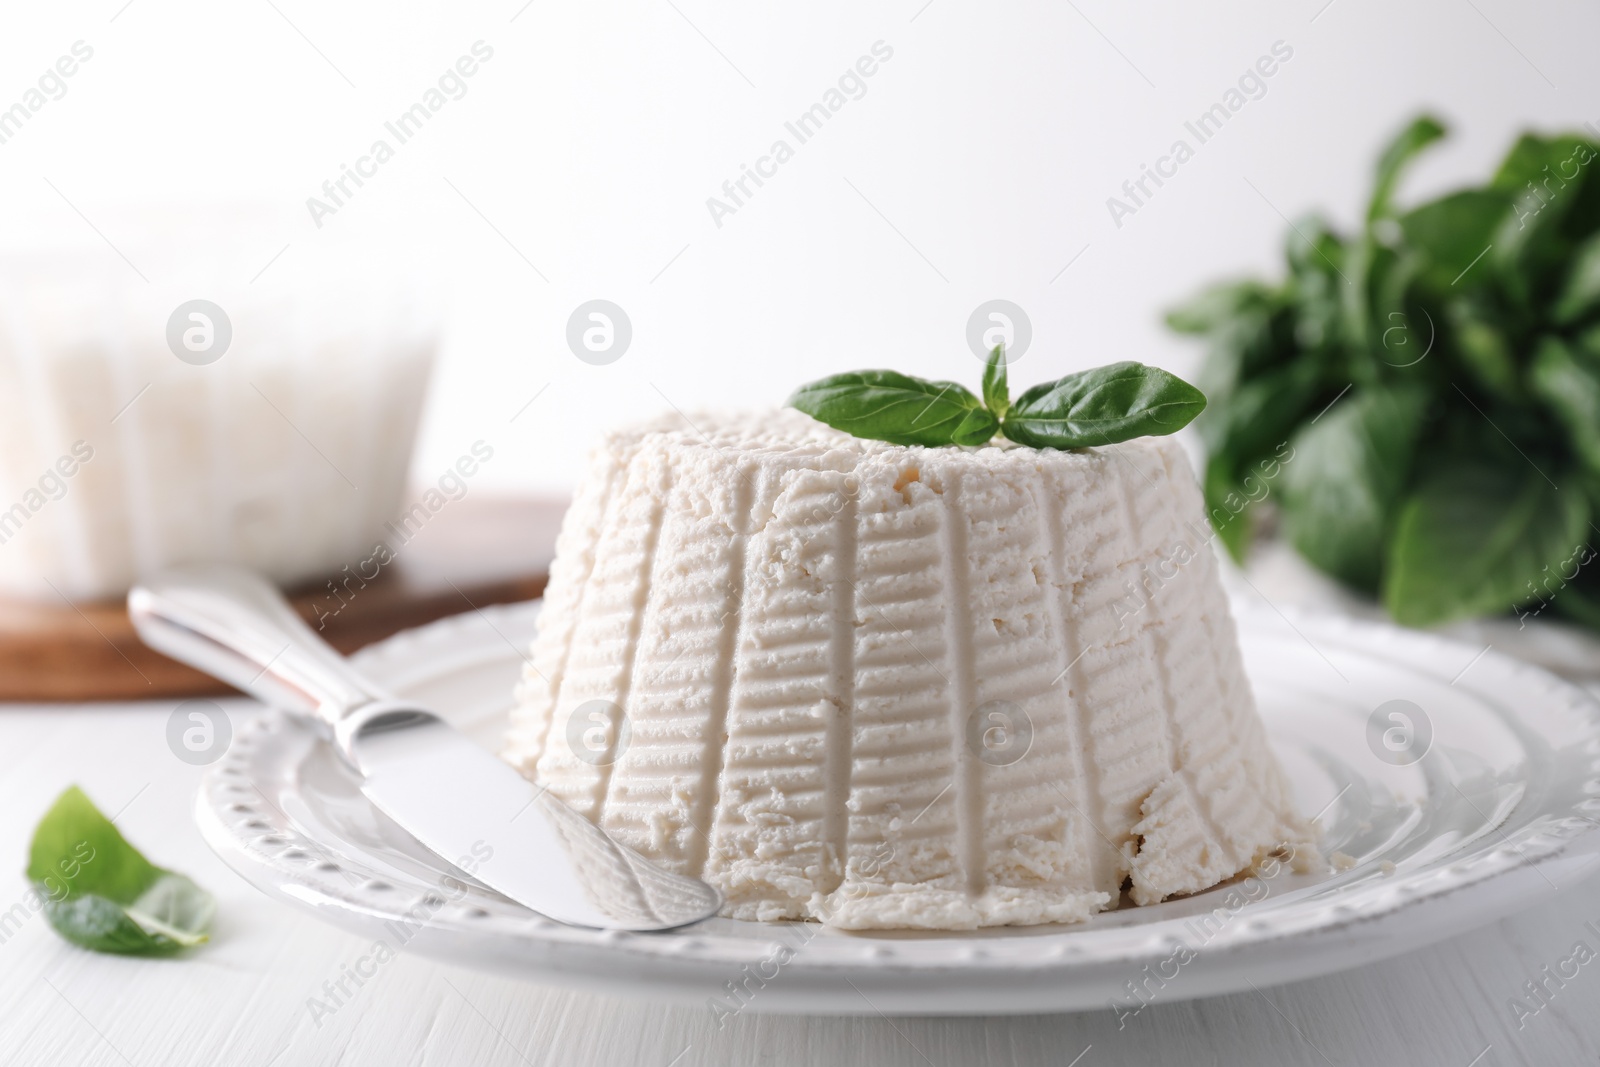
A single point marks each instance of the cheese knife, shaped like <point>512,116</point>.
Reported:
<point>450,793</point>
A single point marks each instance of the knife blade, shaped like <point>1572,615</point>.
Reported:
<point>460,801</point>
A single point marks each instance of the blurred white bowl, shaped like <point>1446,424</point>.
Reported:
<point>285,453</point>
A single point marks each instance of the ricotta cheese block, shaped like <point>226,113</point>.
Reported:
<point>886,686</point>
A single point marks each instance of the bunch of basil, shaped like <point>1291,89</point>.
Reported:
<point>1421,399</point>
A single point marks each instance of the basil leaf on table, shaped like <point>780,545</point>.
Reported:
<point>996,393</point>
<point>1349,471</point>
<point>1474,540</point>
<point>1102,406</point>
<point>884,405</point>
<point>101,893</point>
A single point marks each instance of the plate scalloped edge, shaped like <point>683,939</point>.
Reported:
<point>269,849</point>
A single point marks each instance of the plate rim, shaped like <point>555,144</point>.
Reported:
<point>255,843</point>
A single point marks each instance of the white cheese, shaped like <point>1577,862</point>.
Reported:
<point>884,687</point>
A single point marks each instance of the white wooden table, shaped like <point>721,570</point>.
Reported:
<point>243,1000</point>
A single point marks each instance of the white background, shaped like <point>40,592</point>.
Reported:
<point>976,166</point>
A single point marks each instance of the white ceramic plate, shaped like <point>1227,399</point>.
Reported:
<point>1496,816</point>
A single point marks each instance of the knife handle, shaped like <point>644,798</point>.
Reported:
<point>233,625</point>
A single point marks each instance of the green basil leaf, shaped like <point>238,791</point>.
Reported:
<point>1473,537</point>
<point>1102,406</point>
<point>1263,412</point>
<point>1403,329</point>
<point>1349,470</point>
<point>884,405</point>
<point>1481,346</point>
<point>174,908</point>
<point>1312,248</point>
<point>1570,387</point>
<point>1573,589</point>
<point>1355,307</point>
<point>1229,509</point>
<point>1218,305</point>
<point>101,893</point>
<point>1580,296</point>
<point>1528,255</point>
<point>1257,341</point>
<point>1535,159</point>
<point>77,850</point>
<point>1319,262</point>
<point>1554,198</point>
<point>977,427</point>
<point>1453,233</point>
<point>1587,341</point>
<point>1423,131</point>
<point>996,393</point>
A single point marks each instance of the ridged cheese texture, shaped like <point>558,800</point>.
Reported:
<point>887,686</point>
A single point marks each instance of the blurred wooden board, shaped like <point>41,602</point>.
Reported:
<point>475,552</point>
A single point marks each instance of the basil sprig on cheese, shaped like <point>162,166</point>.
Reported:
<point>1102,406</point>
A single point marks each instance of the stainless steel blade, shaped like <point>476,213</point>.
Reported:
<point>478,812</point>
<point>461,802</point>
